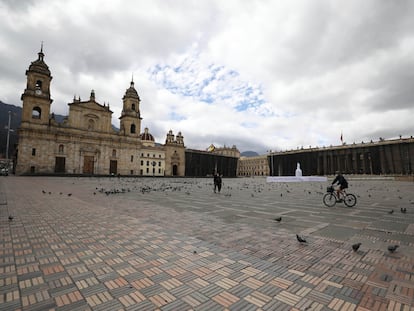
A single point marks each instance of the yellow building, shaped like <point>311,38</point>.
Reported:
<point>85,142</point>
<point>225,151</point>
<point>253,166</point>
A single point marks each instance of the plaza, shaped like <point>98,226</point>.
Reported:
<point>172,244</point>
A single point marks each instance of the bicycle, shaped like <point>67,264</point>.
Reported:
<point>331,198</point>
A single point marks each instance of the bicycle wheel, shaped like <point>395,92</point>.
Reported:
<point>329,199</point>
<point>350,200</point>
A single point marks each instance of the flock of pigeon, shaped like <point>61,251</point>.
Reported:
<point>142,189</point>
<point>256,189</point>
<point>60,193</point>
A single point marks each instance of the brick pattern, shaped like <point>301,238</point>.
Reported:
<point>156,252</point>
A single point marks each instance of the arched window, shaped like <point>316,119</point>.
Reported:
<point>61,148</point>
<point>38,87</point>
<point>133,107</point>
<point>36,113</point>
<point>133,129</point>
<point>114,152</point>
<point>91,125</point>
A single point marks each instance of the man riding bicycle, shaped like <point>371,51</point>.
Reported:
<point>342,183</point>
<point>334,196</point>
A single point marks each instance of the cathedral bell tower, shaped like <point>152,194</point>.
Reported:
<point>174,155</point>
<point>36,97</point>
<point>130,120</point>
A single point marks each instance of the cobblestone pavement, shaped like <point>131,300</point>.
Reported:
<point>173,244</point>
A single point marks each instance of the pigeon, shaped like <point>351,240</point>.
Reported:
<point>278,219</point>
<point>403,210</point>
<point>10,217</point>
<point>69,194</point>
<point>300,239</point>
<point>356,246</point>
<point>43,191</point>
<point>392,248</point>
<point>391,211</point>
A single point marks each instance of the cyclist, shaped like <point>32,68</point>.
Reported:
<point>342,183</point>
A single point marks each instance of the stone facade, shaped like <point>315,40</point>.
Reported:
<point>254,166</point>
<point>226,151</point>
<point>85,142</point>
<point>383,157</point>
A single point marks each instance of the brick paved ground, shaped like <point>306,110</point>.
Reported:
<point>172,244</point>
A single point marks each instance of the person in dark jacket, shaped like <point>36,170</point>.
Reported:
<point>217,182</point>
<point>342,183</point>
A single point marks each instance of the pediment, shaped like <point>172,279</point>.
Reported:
<point>91,105</point>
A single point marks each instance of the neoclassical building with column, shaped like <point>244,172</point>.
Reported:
<point>382,157</point>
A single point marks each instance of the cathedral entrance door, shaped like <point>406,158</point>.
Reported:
<point>88,164</point>
<point>175,170</point>
<point>60,165</point>
<point>113,164</point>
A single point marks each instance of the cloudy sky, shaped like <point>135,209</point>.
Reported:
<point>261,75</point>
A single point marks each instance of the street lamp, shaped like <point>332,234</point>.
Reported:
<point>8,136</point>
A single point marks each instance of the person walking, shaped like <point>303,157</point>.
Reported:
<point>217,182</point>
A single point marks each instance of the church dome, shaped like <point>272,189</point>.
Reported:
<point>147,135</point>
<point>131,92</point>
<point>39,65</point>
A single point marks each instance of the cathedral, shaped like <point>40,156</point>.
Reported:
<point>85,143</point>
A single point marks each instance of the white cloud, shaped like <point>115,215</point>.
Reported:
<point>259,74</point>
